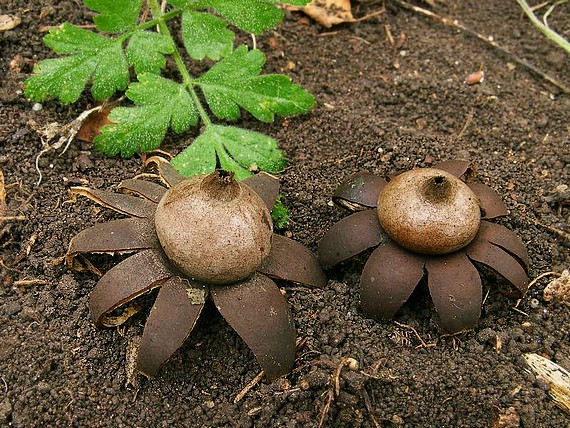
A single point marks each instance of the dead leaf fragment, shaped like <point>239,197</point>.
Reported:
<point>92,125</point>
<point>558,290</point>
<point>327,12</point>
<point>9,22</point>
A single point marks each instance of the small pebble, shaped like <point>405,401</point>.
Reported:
<point>37,107</point>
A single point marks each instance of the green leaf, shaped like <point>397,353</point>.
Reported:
<point>233,83</point>
<point>91,56</point>
<point>146,50</point>
<point>253,16</point>
<point>160,103</point>
<point>115,16</point>
<point>206,35</point>
<point>235,149</point>
<point>297,2</point>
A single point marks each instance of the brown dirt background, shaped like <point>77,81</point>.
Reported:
<point>56,369</point>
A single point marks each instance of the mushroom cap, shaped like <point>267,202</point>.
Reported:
<point>214,229</point>
<point>429,211</point>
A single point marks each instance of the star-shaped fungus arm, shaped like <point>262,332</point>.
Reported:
<point>500,249</point>
<point>171,320</point>
<point>292,261</point>
<point>456,291</point>
<point>259,313</point>
<point>124,282</point>
<point>266,186</point>
<point>491,204</point>
<point>359,191</point>
<point>125,204</point>
<point>143,188</point>
<point>349,237</point>
<point>116,236</point>
<point>166,172</point>
<point>388,279</point>
<point>455,167</point>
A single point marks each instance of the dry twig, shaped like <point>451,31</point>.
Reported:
<point>458,26</point>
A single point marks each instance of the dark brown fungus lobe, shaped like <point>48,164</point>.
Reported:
<point>388,279</point>
<point>170,322</point>
<point>124,235</point>
<point>259,313</point>
<point>429,211</point>
<point>456,291</point>
<point>150,191</point>
<point>124,204</point>
<point>350,236</point>
<point>359,191</point>
<point>292,261</point>
<point>266,186</point>
<point>457,168</point>
<point>131,278</point>
<point>214,229</point>
<point>165,171</point>
<point>492,205</point>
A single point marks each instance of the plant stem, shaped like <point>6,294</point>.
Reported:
<point>547,31</point>
<point>186,77</point>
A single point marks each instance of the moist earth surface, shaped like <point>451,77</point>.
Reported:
<point>383,107</point>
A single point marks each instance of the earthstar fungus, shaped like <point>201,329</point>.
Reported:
<point>206,237</point>
<point>425,222</point>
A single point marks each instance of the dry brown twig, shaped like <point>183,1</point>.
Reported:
<point>334,382</point>
<point>489,41</point>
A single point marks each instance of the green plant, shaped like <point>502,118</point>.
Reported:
<point>543,26</point>
<point>125,39</point>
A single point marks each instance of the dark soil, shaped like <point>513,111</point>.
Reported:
<point>379,109</point>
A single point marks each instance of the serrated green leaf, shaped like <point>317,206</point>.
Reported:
<point>160,103</point>
<point>253,16</point>
<point>297,2</point>
<point>236,149</point>
<point>206,35</point>
<point>198,158</point>
<point>251,149</point>
<point>92,56</point>
<point>115,16</point>
<point>233,83</point>
<point>146,50</point>
<point>179,3</point>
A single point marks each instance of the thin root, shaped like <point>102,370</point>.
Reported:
<point>248,387</point>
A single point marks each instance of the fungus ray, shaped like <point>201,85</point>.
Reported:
<point>506,239</point>
<point>456,291</point>
<point>146,189</point>
<point>388,279</point>
<point>171,320</point>
<point>359,191</point>
<point>124,282</point>
<point>454,167</point>
<point>491,204</point>
<point>116,236</point>
<point>501,262</point>
<point>292,261</point>
<point>259,313</point>
<point>167,173</point>
<point>349,237</point>
<point>266,186</point>
<point>119,202</point>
